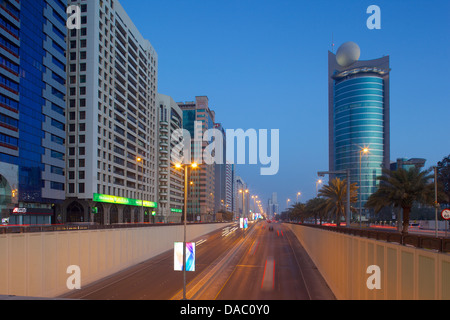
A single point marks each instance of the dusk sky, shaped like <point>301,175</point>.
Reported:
<point>263,65</point>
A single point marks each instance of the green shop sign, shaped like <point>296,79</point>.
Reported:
<point>126,201</point>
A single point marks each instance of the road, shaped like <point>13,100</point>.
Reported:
<point>257,264</point>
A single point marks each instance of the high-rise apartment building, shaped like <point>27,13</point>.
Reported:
<point>241,198</point>
<point>112,153</point>
<point>220,179</point>
<point>171,179</point>
<point>229,186</point>
<point>197,118</point>
<point>272,205</point>
<point>358,120</point>
<point>32,109</point>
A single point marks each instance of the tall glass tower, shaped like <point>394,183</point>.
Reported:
<point>32,109</point>
<point>359,120</point>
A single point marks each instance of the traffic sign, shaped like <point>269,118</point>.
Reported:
<point>445,214</point>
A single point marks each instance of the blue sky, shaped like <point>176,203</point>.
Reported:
<point>263,65</point>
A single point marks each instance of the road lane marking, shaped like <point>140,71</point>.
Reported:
<point>268,281</point>
<point>226,233</point>
<point>253,247</point>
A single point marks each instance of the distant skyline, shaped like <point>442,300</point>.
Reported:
<point>263,65</point>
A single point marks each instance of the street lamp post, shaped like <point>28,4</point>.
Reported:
<point>139,160</point>
<point>186,166</point>
<point>436,204</point>
<point>347,207</point>
<point>254,203</point>
<point>298,194</point>
<point>317,184</point>
<point>243,204</point>
<point>361,152</point>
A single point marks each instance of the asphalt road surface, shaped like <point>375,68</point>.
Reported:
<point>258,264</point>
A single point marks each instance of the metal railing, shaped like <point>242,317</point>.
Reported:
<point>418,241</point>
<point>86,226</point>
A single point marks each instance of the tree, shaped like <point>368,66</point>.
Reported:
<point>226,215</point>
<point>402,188</point>
<point>335,194</point>
<point>444,176</point>
<point>317,208</point>
<point>297,212</point>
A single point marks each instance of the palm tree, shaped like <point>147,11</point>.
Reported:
<point>317,208</point>
<point>402,188</point>
<point>335,194</point>
<point>297,212</point>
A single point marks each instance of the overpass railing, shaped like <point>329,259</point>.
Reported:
<point>86,226</point>
<point>414,240</point>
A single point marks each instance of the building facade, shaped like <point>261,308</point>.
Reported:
<point>241,199</point>
<point>220,178</point>
<point>32,109</point>
<point>197,118</point>
<point>171,180</point>
<point>112,155</point>
<point>272,206</point>
<point>404,163</point>
<point>358,119</point>
<point>229,186</point>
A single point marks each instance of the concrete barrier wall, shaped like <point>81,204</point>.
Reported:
<point>407,273</point>
<point>35,264</point>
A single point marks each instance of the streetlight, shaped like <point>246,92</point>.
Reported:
<point>436,204</point>
<point>254,202</point>
<point>139,160</point>
<point>186,167</point>
<point>243,204</point>
<point>298,194</point>
<point>317,184</point>
<point>287,204</point>
<point>365,150</point>
<point>243,199</point>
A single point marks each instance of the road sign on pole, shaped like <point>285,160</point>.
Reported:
<point>445,214</point>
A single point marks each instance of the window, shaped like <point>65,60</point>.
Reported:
<point>57,186</point>
<point>57,155</point>
<point>57,139</point>
<point>58,125</point>
<point>57,170</point>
